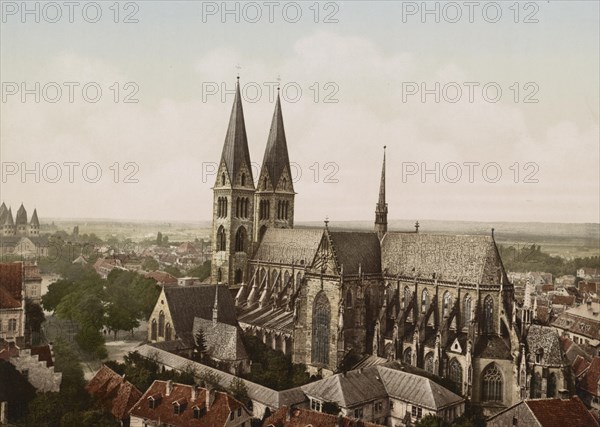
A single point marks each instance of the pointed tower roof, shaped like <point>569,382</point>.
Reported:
<point>3,213</point>
<point>21,215</point>
<point>235,149</point>
<point>276,157</point>
<point>34,219</point>
<point>381,201</point>
<point>9,218</point>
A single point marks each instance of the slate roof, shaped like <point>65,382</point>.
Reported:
<point>235,149</point>
<point>360,386</point>
<point>573,320</point>
<point>492,347</point>
<point>591,379</point>
<point>223,341</point>
<point>289,245</point>
<point>216,415</point>
<point>34,219</point>
<point>354,248</point>
<point>268,317</point>
<point>470,259</point>
<point>188,302</point>
<point>546,338</point>
<point>554,412</point>
<point>115,393</point>
<point>11,284</point>
<point>295,417</point>
<point>276,157</point>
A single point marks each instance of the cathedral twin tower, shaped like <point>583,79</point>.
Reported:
<point>242,211</point>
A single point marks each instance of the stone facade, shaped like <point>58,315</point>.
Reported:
<point>38,373</point>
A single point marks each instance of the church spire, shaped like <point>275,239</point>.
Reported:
<point>381,210</point>
<point>235,150</point>
<point>276,158</point>
<point>215,310</point>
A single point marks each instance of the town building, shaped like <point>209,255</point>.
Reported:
<point>296,417</point>
<point>12,302</point>
<point>581,324</point>
<point>116,395</point>
<point>181,405</point>
<point>545,413</point>
<point>36,365</point>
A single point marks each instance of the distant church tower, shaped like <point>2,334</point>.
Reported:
<point>381,209</point>
<point>274,200</point>
<point>233,204</point>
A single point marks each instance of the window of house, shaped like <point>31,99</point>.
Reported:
<point>177,408</point>
<point>12,325</point>
<point>196,412</point>
<point>358,413</point>
<point>316,405</point>
<point>231,416</point>
<point>391,404</point>
<point>378,406</point>
<point>417,412</point>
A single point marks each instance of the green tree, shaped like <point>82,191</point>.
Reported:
<point>238,389</point>
<point>34,316</point>
<point>199,346</point>
<point>202,271</point>
<point>150,264</point>
<point>431,421</point>
<point>173,271</point>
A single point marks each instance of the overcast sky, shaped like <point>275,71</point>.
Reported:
<point>374,61</point>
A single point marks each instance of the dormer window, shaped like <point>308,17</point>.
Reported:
<point>153,401</point>
<point>199,412</point>
<point>179,406</point>
<point>539,355</point>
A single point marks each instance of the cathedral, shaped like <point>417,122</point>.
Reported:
<point>441,303</point>
<point>19,226</point>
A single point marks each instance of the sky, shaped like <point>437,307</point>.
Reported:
<point>489,110</point>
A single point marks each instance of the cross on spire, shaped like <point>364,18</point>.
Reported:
<point>238,67</point>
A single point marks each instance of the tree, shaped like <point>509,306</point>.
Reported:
<point>173,271</point>
<point>199,346</point>
<point>238,389</point>
<point>56,292</point>
<point>202,271</point>
<point>431,421</point>
<point>34,316</point>
<point>150,264</point>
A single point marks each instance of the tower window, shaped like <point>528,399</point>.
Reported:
<point>240,240</point>
<point>243,179</point>
<point>488,307</point>
<point>221,239</point>
<point>222,179</point>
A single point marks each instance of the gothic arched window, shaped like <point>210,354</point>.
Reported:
<point>154,330</point>
<point>488,312</point>
<point>447,303</point>
<point>455,373</point>
<point>221,239</point>
<point>240,240</point>
<point>246,207</point>
<point>492,384</point>
<point>238,276</point>
<point>466,312</point>
<point>407,296</point>
<point>551,388</point>
<point>320,332</point>
<point>429,362</point>
<point>424,300</point>
<point>161,324</point>
<point>407,356</point>
<point>168,332</point>
<point>243,179</point>
<point>222,179</point>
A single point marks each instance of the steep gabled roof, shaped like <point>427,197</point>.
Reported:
<point>289,245</point>
<point>464,258</point>
<point>276,158</point>
<point>223,341</point>
<point>235,149</point>
<point>11,280</point>
<point>354,249</point>
<point>187,302</point>
<point>3,213</point>
<point>554,412</point>
<point>591,379</point>
<point>115,393</point>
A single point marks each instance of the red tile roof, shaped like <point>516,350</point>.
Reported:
<point>284,417</point>
<point>563,299</point>
<point>11,280</point>
<point>7,300</point>
<point>162,277</point>
<point>579,365</point>
<point>217,415</point>
<point>116,394</point>
<point>590,380</point>
<point>554,412</point>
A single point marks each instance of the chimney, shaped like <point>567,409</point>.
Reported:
<point>210,398</point>
<point>3,412</point>
<point>194,393</point>
<point>169,388</point>
<point>288,414</point>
